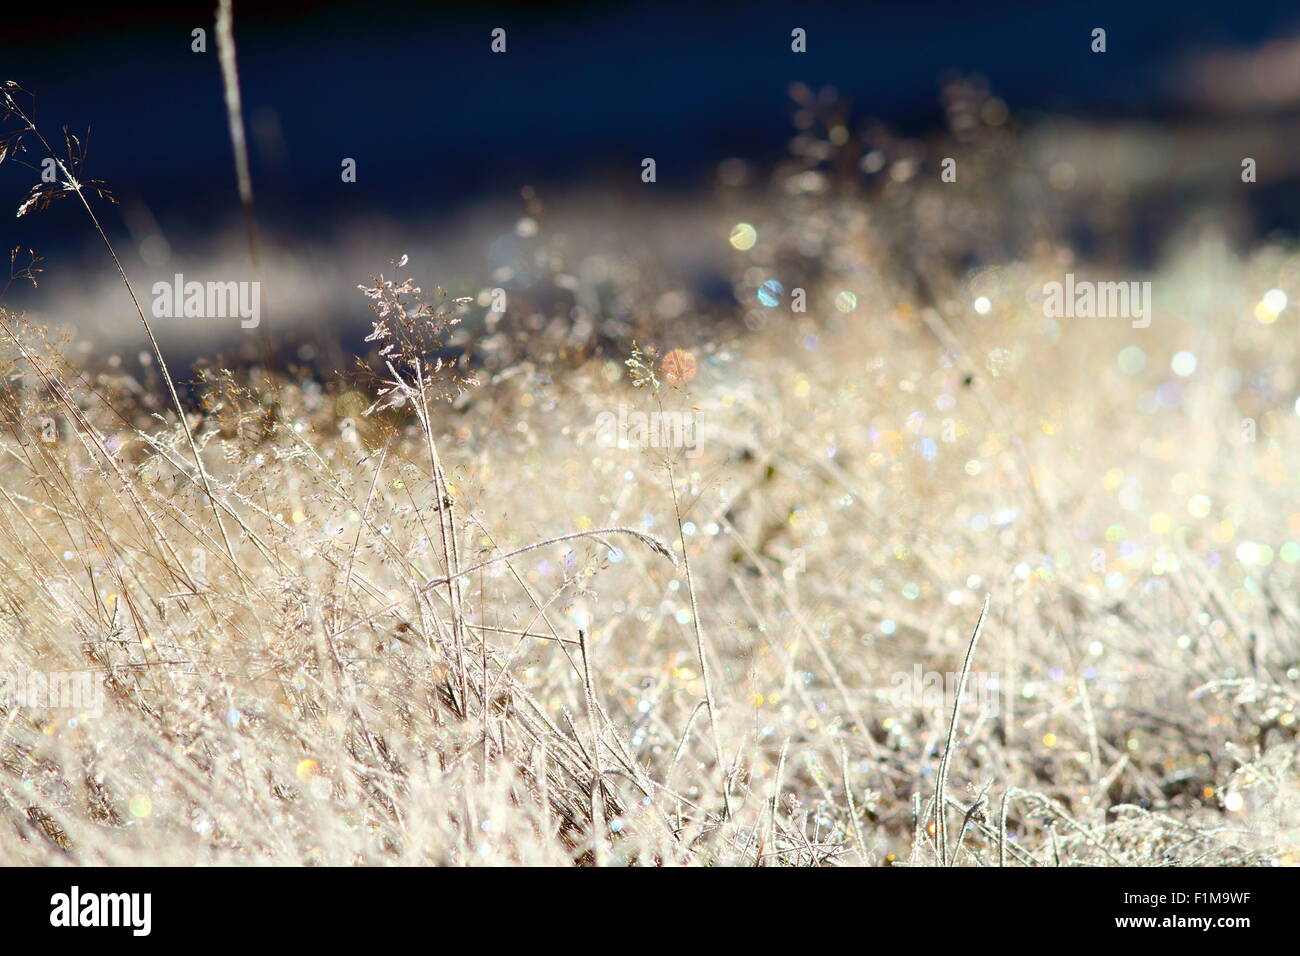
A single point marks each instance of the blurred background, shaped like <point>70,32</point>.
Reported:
<point>465,156</point>
<point>923,436</point>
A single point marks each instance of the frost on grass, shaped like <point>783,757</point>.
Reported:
<point>441,641</point>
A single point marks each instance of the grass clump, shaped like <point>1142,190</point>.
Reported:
<point>400,616</point>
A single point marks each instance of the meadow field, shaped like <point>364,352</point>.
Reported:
<point>870,561</point>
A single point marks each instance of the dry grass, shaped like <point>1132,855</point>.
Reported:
<point>460,631</point>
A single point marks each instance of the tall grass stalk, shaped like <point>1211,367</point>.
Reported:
<point>73,184</point>
<point>945,764</point>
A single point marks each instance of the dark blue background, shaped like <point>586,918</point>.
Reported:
<point>436,121</point>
